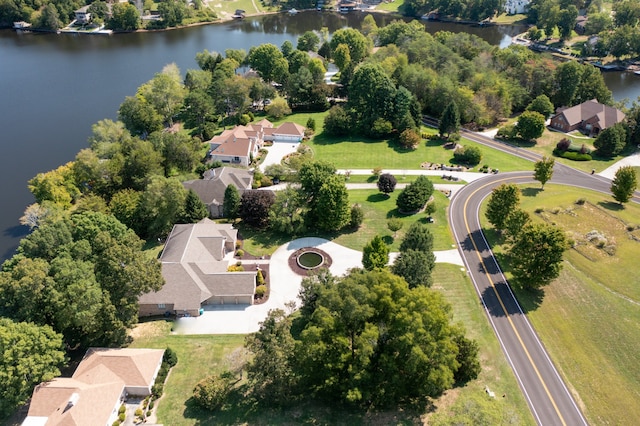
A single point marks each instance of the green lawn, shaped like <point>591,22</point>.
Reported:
<point>378,209</point>
<point>390,6</point>
<point>589,318</point>
<point>361,153</point>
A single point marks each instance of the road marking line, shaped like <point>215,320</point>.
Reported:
<point>506,313</point>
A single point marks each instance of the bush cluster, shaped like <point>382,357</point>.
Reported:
<point>470,155</point>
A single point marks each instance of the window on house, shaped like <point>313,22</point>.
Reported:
<point>161,306</point>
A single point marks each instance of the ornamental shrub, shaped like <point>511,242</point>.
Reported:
<point>261,290</point>
<point>170,357</point>
<point>259,278</point>
<point>357,216</point>
<point>139,412</point>
<point>122,409</point>
<point>122,416</point>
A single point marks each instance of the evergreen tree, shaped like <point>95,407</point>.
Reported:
<point>194,208</point>
<point>450,120</point>
<point>375,254</point>
<point>231,203</point>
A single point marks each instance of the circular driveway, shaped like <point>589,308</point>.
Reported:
<point>285,285</point>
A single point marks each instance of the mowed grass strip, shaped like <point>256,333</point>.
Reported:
<point>589,318</point>
<point>453,282</point>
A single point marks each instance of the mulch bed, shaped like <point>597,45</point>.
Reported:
<point>293,263</point>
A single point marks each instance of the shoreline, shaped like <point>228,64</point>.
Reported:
<point>229,18</point>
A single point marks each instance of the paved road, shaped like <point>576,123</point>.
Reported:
<point>547,395</point>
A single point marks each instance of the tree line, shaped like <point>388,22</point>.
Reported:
<point>56,14</point>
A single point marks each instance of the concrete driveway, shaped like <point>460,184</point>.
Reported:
<point>285,285</point>
<point>277,151</point>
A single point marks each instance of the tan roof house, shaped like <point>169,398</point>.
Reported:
<point>590,117</point>
<point>210,189</point>
<point>240,144</point>
<point>194,266</point>
<point>94,394</point>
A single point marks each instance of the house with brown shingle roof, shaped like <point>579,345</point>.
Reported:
<point>210,189</point>
<point>590,117</point>
<point>194,266</point>
<point>238,145</point>
<point>100,384</point>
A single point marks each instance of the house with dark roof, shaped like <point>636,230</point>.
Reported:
<point>100,384</point>
<point>210,189</point>
<point>239,145</point>
<point>590,117</point>
<point>194,266</point>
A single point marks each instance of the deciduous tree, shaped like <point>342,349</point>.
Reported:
<point>387,183</point>
<point>31,354</point>
<point>542,105</point>
<point>270,372</point>
<point>504,200</point>
<point>530,125</point>
<point>537,254</point>
<point>611,141</point>
<point>415,267</point>
<point>543,170</point>
<point>624,184</point>
<point>255,206</point>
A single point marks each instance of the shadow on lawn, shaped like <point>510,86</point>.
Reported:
<point>610,205</point>
<point>243,408</point>
<point>531,192</point>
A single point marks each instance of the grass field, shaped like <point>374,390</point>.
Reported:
<point>589,318</point>
<point>361,153</point>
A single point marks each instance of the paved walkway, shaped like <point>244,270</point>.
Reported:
<point>285,285</point>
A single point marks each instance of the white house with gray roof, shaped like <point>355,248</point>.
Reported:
<point>194,266</point>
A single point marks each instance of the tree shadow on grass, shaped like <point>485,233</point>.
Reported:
<point>611,205</point>
<point>397,213</point>
<point>531,192</point>
<point>243,408</point>
<point>377,197</point>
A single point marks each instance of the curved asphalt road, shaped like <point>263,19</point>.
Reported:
<point>548,397</point>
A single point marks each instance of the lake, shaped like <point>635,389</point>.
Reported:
<point>54,87</point>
